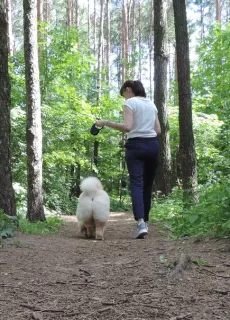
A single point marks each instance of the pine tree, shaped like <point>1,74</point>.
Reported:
<point>7,200</point>
<point>187,146</point>
<point>160,93</point>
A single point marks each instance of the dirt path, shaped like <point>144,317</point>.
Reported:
<point>68,277</point>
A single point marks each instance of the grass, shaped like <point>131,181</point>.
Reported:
<point>50,226</point>
<point>8,226</point>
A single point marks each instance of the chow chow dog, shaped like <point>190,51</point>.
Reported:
<point>93,208</point>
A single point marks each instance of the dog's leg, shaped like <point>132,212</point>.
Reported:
<point>90,226</point>
<point>100,226</point>
<point>82,228</point>
<point>84,231</point>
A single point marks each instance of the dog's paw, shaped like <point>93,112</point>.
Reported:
<point>83,230</point>
<point>99,236</point>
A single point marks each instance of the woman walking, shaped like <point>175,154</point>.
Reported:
<point>142,126</point>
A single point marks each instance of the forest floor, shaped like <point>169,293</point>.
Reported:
<point>65,276</point>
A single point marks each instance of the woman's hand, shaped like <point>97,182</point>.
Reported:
<point>101,123</point>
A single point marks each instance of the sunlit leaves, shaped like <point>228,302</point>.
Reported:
<point>211,79</point>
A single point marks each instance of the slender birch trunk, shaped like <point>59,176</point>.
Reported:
<point>10,32</point>
<point>35,209</point>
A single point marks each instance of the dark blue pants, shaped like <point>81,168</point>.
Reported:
<point>142,160</point>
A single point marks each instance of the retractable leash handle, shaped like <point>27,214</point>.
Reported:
<point>95,129</point>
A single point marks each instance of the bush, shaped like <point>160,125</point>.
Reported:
<point>210,216</point>
<point>8,225</point>
<point>50,226</point>
<point>166,208</point>
<point>120,205</point>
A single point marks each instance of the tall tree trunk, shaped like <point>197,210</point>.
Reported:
<point>218,10</point>
<point>202,19</point>
<point>108,41</point>
<point>88,22</point>
<point>75,176</point>
<point>125,55</point>
<point>95,26</point>
<point>68,13</point>
<point>100,50</point>
<point>187,146</point>
<point>132,45</point>
<point>160,93</point>
<point>40,10</point>
<point>99,71</point>
<point>124,40</point>
<point>228,11</point>
<point>139,40</point>
<point>77,13</point>
<point>151,39</point>
<point>35,210</point>
<point>39,18</point>
<point>9,29</point>
<point>7,199</point>
<point>72,13</point>
<point>46,16</point>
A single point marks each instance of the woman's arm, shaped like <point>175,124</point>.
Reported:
<point>125,126</point>
<point>157,126</point>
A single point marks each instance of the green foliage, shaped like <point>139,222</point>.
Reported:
<point>119,205</point>
<point>48,227</point>
<point>70,105</point>
<point>201,262</point>
<point>18,143</point>
<point>18,118</point>
<point>67,68</point>
<point>58,198</point>
<point>69,108</point>
<point>8,225</point>
<point>17,80</point>
<point>166,208</point>
<point>210,78</point>
<point>210,216</point>
<point>21,198</point>
<point>163,259</point>
<point>174,130</point>
<point>212,163</point>
<point>212,101</point>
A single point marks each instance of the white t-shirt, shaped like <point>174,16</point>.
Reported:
<point>144,116</point>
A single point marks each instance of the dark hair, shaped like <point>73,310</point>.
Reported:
<point>136,86</point>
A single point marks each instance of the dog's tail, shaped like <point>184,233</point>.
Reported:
<point>91,184</point>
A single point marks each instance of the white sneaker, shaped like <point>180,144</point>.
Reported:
<point>141,231</point>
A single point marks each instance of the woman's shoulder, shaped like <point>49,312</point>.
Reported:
<point>138,99</point>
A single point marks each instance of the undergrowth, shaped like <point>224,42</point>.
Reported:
<point>8,226</point>
<point>210,216</point>
<point>50,226</point>
<point>117,204</point>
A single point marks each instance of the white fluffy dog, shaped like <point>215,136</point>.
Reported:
<point>93,208</point>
